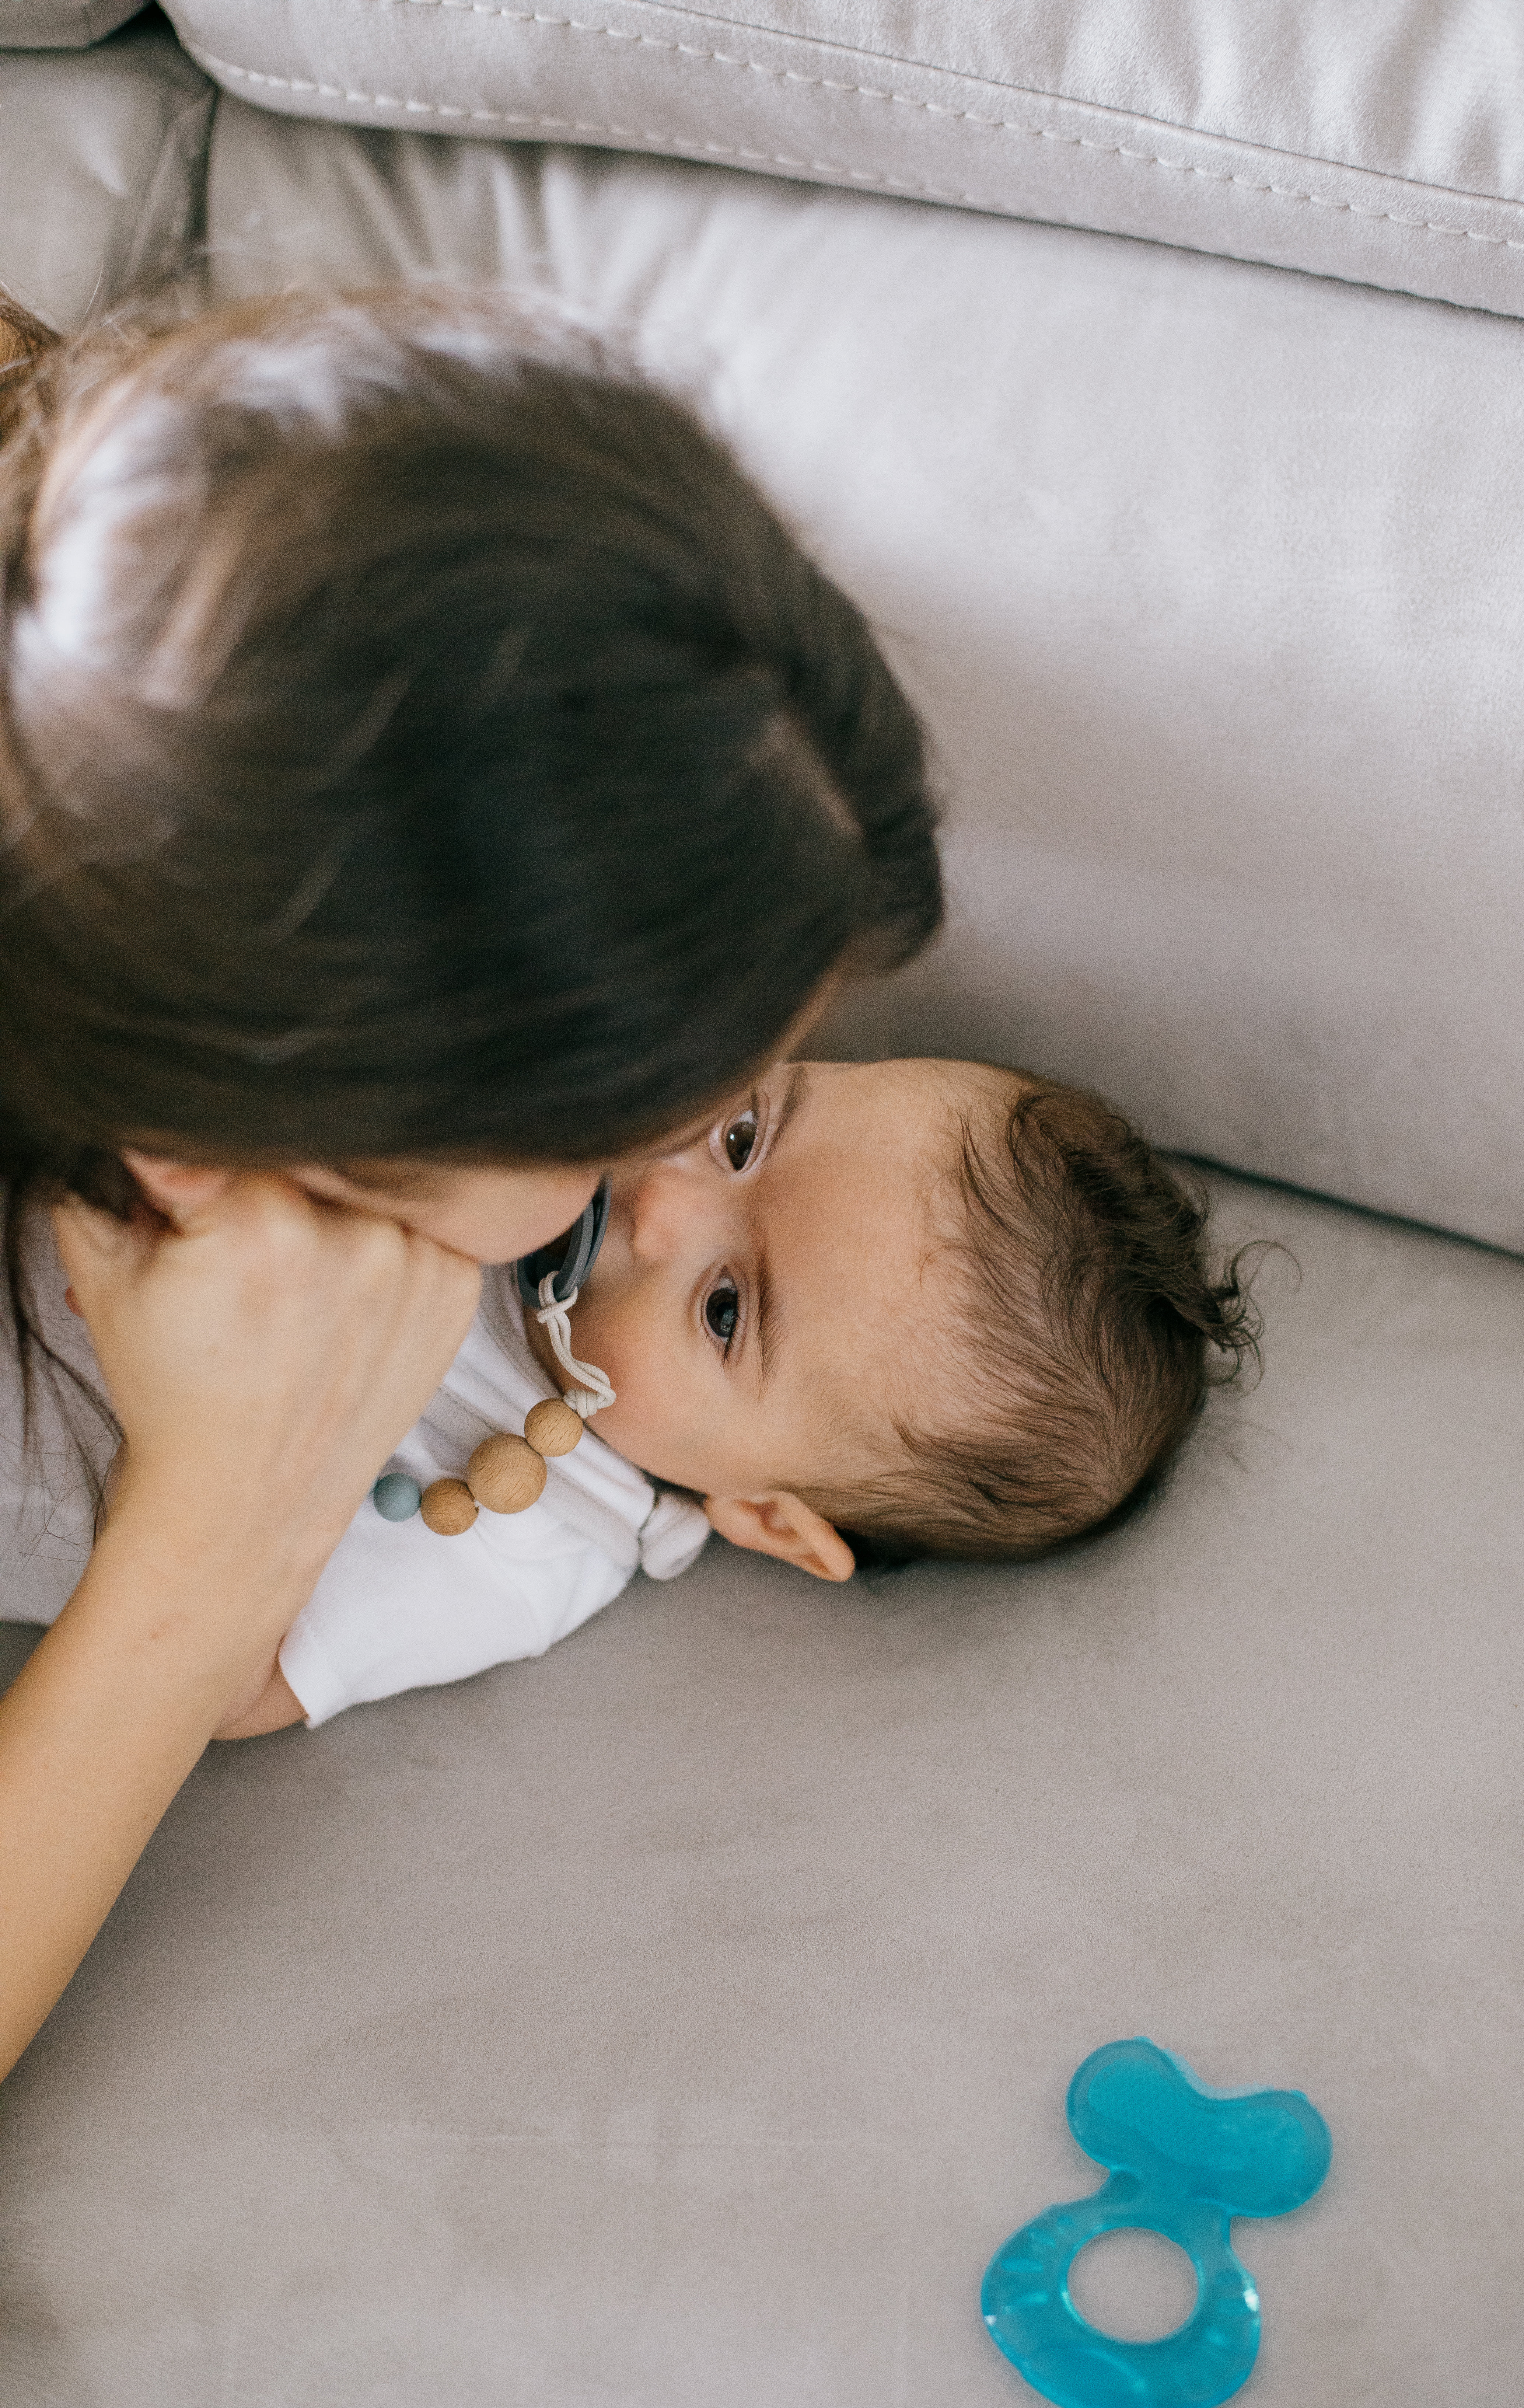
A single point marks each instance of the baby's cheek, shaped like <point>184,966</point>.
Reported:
<point>638,1416</point>
<point>667,1436</point>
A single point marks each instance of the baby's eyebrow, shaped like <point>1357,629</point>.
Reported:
<point>766,1330</point>
<point>766,1318</point>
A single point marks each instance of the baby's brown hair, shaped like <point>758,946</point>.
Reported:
<point>1093,1322</point>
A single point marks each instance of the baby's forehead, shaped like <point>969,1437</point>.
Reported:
<point>876,1225</point>
<point>890,1151</point>
<point>963,1114</point>
<point>952,1088</point>
<point>866,1238</point>
<point>941,1089</point>
<point>958,1108</point>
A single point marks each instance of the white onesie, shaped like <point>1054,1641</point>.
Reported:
<point>397,1607</point>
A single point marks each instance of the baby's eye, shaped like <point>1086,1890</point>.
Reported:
<point>735,1142</point>
<point>740,1139</point>
<point>721,1311</point>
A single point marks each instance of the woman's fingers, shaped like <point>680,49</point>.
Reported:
<point>264,1356</point>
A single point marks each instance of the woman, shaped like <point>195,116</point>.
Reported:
<point>428,772</point>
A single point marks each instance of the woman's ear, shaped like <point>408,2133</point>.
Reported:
<point>779,1524</point>
<point>178,1190</point>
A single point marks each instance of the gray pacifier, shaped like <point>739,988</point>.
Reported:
<point>568,1257</point>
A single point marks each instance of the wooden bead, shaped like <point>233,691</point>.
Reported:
<point>448,1507</point>
<point>506,1475</point>
<point>553,1428</point>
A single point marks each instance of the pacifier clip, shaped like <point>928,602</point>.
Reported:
<point>506,1473</point>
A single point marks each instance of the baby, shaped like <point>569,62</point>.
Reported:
<point>879,1311</point>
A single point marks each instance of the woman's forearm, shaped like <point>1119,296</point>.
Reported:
<point>105,1721</point>
<point>263,1357</point>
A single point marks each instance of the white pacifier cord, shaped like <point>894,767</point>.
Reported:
<point>595,1391</point>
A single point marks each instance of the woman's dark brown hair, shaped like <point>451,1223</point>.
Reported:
<point>416,739</point>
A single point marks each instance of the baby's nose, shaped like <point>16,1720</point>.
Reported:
<point>671,1209</point>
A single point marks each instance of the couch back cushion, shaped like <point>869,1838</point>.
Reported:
<point>102,170</point>
<point>1209,583</point>
<point>60,25</point>
<point>1380,140</point>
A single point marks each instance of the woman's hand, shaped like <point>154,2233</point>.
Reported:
<point>263,1357</point>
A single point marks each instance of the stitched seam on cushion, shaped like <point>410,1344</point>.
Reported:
<point>457,115</point>
<point>906,100</point>
<point>934,109</point>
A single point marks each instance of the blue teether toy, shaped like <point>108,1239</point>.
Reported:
<point>1183,2159</point>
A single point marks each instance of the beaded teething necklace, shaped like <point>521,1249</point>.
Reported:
<point>506,1473</point>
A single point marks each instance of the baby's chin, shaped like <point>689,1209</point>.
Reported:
<point>642,1437</point>
<point>623,1427</point>
<point>595,1343</point>
<point>622,1444</point>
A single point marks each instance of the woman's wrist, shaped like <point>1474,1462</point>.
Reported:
<point>193,1519</point>
<point>206,1589</point>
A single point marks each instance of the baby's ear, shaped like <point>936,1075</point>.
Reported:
<point>778,1524</point>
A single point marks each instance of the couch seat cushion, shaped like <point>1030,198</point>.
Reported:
<point>685,2018</point>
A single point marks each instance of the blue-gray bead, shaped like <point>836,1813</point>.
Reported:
<point>396,1497</point>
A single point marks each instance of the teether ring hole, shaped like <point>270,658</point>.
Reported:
<point>1133,2285</point>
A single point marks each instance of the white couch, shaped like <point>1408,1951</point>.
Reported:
<point>686,2018</point>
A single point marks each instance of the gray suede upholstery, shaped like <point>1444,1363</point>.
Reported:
<point>682,2020</point>
<point>686,2018</point>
